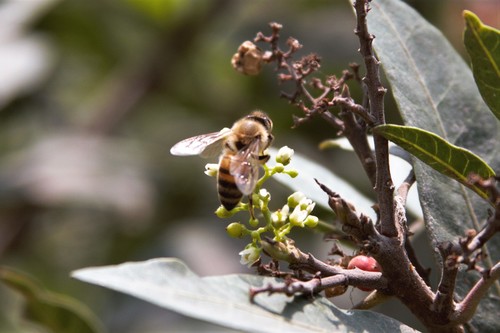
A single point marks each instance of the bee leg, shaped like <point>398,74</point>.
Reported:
<point>264,158</point>
<point>250,205</point>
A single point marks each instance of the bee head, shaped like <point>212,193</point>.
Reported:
<point>262,118</point>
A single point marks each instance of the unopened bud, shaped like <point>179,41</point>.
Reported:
<point>284,155</point>
<point>236,230</point>
<point>211,169</point>
<point>295,198</point>
<point>223,212</point>
<point>311,221</point>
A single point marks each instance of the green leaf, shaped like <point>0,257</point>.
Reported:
<point>56,312</point>
<point>483,45</point>
<point>434,90</point>
<point>224,300</point>
<point>455,162</point>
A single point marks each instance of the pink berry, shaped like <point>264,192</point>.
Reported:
<point>366,264</point>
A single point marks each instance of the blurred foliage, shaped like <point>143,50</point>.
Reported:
<point>57,312</point>
<point>94,93</point>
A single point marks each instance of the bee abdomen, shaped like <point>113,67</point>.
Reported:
<point>229,194</point>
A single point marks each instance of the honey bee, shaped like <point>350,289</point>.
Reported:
<point>242,148</point>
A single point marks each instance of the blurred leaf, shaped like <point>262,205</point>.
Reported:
<point>56,312</point>
<point>455,162</point>
<point>224,300</point>
<point>435,91</point>
<point>74,168</point>
<point>25,59</point>
<point>304,182</point>
<point>25,63</point>
<point>161,11</point>
<point>483,45</point>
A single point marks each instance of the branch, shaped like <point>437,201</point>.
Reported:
<point>405,186</point>
<point>292,287</point>
<point>357,225</point>
<point>401,197</point>
<point>325,277</point>
<point>465,310</point>
<point>443,301</point>
<point>376,91</point>
<point>356,134</point>
<point>493,224</point>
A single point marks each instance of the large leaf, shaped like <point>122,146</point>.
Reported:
<point>309,170</point>
<point>455,162</point>
<point>435,90</point>
<point>224,300</point>
<point>483,45</point>
<point>56,312</point>
<point>304,182</point>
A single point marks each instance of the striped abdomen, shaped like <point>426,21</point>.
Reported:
<point>229,194</point>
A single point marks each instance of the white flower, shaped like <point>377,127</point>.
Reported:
<point>307,205</point>
<point>302,210</point>
<point>264,194</point>
<point>249,256</point>
<point>298,216</point>
<point>211,169</point>
<point>280,215</point>
<point>295,199</point>
<point>284,155</point>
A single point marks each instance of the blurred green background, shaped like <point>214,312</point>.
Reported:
<point>93,93</point>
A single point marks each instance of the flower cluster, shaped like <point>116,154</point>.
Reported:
<point>300,215</point>
<point>279,223</point>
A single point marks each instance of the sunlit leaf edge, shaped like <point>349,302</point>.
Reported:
<point>400,135</point>
<point>477,48</point>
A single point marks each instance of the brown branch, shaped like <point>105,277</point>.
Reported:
<point>292,287</point>
<point>405,186</point>
<point>376,91</point>
<point>356,134</point>
<point>443,301</point>
<point>347,103</point>
<point>357,225</point>
<point>401,197</point>
<point>465,310</point>
<point>325,276</point>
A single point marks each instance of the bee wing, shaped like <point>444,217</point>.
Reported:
<point>245,168</point>
<point>205,145</point>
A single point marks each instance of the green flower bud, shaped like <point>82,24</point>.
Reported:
<point>223,212</point>
<point>311,221</point>
<point>253,222</point>
<point>236,230</point>
<point>279,168</point>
